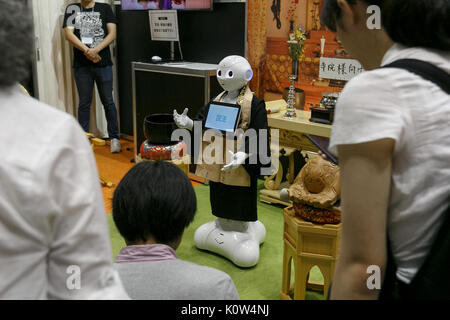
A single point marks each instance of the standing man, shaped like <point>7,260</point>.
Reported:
<point>91,27</point>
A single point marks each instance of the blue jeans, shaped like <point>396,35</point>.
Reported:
<point>103,77</point>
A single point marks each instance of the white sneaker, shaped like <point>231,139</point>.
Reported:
<point>115,146</point>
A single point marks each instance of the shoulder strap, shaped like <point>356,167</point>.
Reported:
<point>424,69</point>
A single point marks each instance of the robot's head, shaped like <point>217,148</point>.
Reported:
<point>234,72</point>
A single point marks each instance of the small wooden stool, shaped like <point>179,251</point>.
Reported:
<point>182,163</point>
<point>308,245</point>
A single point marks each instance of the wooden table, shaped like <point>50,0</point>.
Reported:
<point>291,138</point>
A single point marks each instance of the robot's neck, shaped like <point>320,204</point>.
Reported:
<point>231,96</point>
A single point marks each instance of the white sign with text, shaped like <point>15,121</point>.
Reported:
<point>164,25</point>
<point>339,69</point>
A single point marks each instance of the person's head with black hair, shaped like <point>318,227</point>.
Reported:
<point>16,42</point>
<point>418,23</point>
<point>413,23</point>
<point>331,13</point>
<point>348,18</point>
<point>154,203</point>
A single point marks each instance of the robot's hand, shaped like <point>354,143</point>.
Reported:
<point>237,159</point>
<point>182,120</point>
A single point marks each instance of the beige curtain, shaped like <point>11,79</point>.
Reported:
<point>53,56</point>
<point>256,42</point>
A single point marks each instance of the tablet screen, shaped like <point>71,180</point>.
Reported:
<point>223,117</point>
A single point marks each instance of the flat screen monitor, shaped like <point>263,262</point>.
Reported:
<point>167,4</point>
<point>223,116</point>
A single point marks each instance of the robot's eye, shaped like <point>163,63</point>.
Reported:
<point>230,74</point>
<point>219,73</point>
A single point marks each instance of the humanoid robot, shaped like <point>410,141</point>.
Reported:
<point>236,233</point>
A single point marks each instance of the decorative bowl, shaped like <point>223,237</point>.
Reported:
<point>154,152</point>
<point>158,129</point>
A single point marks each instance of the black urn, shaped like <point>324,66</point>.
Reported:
<point>158,129</point>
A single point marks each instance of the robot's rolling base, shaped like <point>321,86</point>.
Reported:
<point>237,241</point>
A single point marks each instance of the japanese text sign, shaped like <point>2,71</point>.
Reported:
<point>339,69</point>
<point>164,25</point>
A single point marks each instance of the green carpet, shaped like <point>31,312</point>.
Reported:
<point>262,282</point>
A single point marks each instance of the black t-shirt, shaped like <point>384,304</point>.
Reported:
<point>91,23</point>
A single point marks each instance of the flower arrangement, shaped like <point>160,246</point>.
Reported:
<point>296,44</point>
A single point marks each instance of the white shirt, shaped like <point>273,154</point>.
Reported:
<point>52,216</point>
<point>394,103</point>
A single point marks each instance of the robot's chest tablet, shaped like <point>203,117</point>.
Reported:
<point>223,116</point>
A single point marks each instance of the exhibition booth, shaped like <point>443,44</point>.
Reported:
<point>224,150</point>
<point>296,66</point>
<point>175,62</point>
<point>297,252</point>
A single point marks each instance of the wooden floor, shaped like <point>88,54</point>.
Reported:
<point>112,167</point>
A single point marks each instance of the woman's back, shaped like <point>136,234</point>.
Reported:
<point>394,103</point>
<point>154,272</point>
